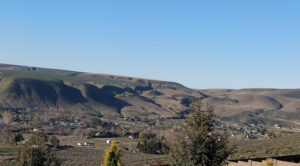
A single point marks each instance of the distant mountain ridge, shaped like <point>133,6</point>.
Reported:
<point>50,90</point>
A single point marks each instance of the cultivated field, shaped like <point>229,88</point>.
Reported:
<point>288,145</point>
<point>93,155</point>
<point>79,156</point>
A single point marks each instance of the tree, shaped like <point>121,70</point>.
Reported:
<point>36,121</point>
<point>153,147</point>
<point>112,155</point>
<point>141,135</point>
<point>95,122</point>
<point>18,138</point>
<point>269,163</point>
<point>36,153</point>
<point>200,142</point>
<point>54,141</point>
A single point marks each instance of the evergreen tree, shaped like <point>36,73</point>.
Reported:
<point>112,155</point>
<point>268,163</point>
<point>18,138</point>
<point>200,142</point>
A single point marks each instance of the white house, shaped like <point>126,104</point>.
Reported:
<point>108,141</point>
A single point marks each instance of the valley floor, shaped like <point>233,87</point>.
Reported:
<point>75,155</point>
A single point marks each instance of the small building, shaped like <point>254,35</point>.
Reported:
<point>108,141</point>
<point>85,144</point>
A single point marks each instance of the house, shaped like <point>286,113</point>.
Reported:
<point>88,144</point>
<point>276,126</point>
<point>85,144</point>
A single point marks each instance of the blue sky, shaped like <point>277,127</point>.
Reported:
<point>200,44</point>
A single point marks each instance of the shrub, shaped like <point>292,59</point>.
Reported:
<point>269,163</point>
<point>54,141</point>
<point>112,155</point>
<point>153,147</point>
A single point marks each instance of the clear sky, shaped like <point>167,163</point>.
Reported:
<point>200,44</point>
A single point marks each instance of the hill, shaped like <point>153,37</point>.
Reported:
<point>257,106</point>
<point>60,91</point>
<point>40,89</point>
